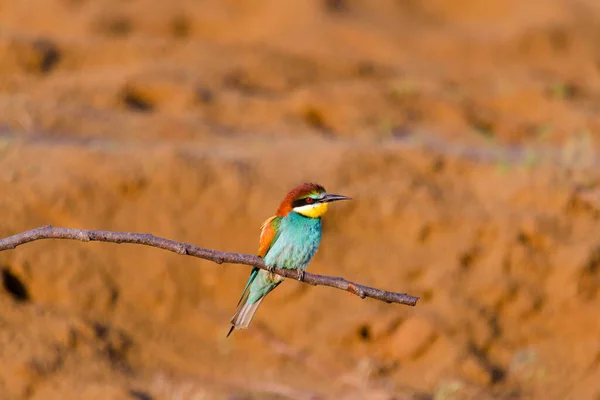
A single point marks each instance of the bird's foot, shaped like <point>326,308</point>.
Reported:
<point>270,268</point>
<point>300,276</point>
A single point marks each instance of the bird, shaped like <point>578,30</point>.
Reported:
<point>288,240</point>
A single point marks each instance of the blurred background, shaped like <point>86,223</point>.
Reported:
<point>466,132</point>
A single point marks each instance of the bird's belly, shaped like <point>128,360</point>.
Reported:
<point>292,256</point>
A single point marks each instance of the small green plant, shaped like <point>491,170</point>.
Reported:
<point>402,88</point>
<point>561,91</point>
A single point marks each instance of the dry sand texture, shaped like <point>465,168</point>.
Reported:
<point>466,131</point>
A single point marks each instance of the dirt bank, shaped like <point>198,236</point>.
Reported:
<point>466,134</point>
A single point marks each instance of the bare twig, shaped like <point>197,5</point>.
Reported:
<point>84,235</point>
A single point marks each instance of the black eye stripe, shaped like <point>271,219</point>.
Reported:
<point>302,202</point>
<point>299,203</point>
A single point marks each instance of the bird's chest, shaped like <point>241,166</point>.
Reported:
<point>297,243</point>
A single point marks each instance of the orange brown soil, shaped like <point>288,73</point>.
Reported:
<point>464,130</point>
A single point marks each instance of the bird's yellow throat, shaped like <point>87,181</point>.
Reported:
<point>312,211</point>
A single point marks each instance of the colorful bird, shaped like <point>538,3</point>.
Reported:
<point>289,239</point>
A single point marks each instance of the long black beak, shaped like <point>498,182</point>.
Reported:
<point>334,197</point>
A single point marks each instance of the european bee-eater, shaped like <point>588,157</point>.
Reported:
<point>289,239</point>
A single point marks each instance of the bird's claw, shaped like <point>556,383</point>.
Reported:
<point>300,275</point>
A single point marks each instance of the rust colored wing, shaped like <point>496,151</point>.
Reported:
<point>268,235</point>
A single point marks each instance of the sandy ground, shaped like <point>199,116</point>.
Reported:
<point>466,132</point>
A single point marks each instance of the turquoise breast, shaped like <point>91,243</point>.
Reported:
<point>297,242</point>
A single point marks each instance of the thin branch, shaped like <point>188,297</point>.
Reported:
<point>84,235</point>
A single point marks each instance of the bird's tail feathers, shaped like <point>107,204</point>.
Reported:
<point>244,314</point>
<point>246,310</point>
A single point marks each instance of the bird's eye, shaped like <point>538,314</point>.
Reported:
<point>309,200</point>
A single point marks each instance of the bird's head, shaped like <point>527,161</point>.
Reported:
<point>308,199</point>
